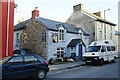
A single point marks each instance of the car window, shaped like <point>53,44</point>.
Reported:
<point>108,48</point>
<point>93,48</point>
<point>103,49</point>
<point>16,61</point>
<point>113,48</point>
<point>30,59</point>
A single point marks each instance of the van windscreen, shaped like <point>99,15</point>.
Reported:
<point>93,48</point>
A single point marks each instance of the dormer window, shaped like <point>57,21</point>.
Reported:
<point>61,35</point>
<point>80,35</point>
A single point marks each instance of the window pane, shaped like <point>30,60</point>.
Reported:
<point>16,61</point>
<point>55,38</point>
<point>30,59</point>
<point>103,49</point>
<point>113,48</point>
<point>108,48</point>
<point>61,35</point>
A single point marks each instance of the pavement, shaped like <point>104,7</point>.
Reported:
<point>66,65</point>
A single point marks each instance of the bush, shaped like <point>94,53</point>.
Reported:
<point>51,61</point>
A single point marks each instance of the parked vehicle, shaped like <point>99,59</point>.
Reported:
<point>100,51</point>
<point>23,66</point>
<point>22,51</point>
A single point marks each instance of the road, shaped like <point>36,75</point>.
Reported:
<point>108,70</point>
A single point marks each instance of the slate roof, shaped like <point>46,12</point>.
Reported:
<point>99,18</point>
<point>54,25</point>
<point>21,25</point>
<point>74,42</point>
<point>51,25</point>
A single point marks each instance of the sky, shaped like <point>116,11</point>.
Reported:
<point>61,10</point>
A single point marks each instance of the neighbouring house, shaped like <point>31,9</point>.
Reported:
<point>50,39</point>
<point>117,33</point>
<point>98,27</point>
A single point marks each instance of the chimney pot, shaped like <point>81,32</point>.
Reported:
<point>35,13</point>
<point>98,14</point>
<point>78,7</point>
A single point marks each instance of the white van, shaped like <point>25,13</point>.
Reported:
<point>100,51</point>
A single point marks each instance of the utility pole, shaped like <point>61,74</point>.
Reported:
<point>105,23</point>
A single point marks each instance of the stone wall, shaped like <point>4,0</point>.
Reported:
<point>31,38</point>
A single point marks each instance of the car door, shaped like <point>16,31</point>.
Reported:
<point>30,63</point>
<point>110,56</point>
<point>13,68</point>
<point>104,53</point>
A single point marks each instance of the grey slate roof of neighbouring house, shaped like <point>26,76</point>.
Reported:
<point>51,25</point>
<point>99,18</point>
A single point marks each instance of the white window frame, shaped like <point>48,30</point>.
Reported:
<point>61,52</point>
<point>55,37</point>
<point>61,35</point>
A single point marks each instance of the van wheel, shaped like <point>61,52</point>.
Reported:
<point>114,60</point>
<point>101,62</point>
<point>41,74</point>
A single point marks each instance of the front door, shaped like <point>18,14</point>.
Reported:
<point>80,52</point>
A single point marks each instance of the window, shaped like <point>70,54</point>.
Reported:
<point>113,48</point>
<point>108,48</point>
<point>55,38</point>
<point>100,26</point>
<point>111,28</point>
<point>111,36</point>
<point>103,49</point>
<point>61,35</point>
<point>25,37</point>
<point>44,36</point>
<point>16,61</point>
<point>60,52</point>
<point>72,48</point>
<point>80,35</point>
<point>30,59</point>
<point>18,38</point>
<point>93,49</point>
<point>100,34</point>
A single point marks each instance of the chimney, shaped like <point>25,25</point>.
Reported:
<point>98,14</point>
<point>78,7</point>
<point>35,13</point>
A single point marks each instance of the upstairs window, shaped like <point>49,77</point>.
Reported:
<point>111,36</point>
<point>25,37</point>
<point>61,35</point>
<point>18,38</point>
<point>44,36</point>
<point>55,38</point>
<point>80,35</point>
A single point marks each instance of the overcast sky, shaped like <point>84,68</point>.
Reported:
<point>60,10</point>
